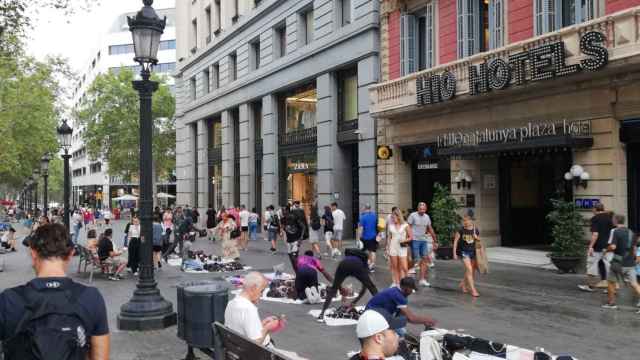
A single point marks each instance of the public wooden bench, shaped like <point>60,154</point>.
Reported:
<point>238,347</point>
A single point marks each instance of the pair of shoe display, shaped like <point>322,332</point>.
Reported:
<point>313,295</point>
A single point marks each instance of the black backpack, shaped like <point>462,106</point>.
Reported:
<point>292,228</point>
<point>51,327</point>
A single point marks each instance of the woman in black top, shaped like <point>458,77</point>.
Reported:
<point>211,224</point>
<point>464,245</point>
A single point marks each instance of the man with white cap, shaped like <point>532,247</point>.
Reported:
<point>376,331</point>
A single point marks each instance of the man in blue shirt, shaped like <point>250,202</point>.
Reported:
<point>55,296</point>
<point>395,301</point>
<point>367,228</point>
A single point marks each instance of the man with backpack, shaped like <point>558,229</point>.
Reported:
<point>622,243</point>
<point>294,227</point>
<point>272,226</point>
<point>53,315</point>
<point>355,264</point>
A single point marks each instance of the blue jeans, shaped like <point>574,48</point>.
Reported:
<point>421,248</point>
<point>76,234</point>
<point>253,231</point>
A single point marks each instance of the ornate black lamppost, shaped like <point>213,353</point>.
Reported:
<point>147,309</point>
<point>65,133</point>
<point>44,167</point>
<point>36,179</point>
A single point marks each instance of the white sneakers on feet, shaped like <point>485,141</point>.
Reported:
<point>424,283</point>
<point>313,296</point>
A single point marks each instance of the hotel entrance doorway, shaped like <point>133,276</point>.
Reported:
<point>527,185</point>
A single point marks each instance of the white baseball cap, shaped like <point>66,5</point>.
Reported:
<point>372,322</point>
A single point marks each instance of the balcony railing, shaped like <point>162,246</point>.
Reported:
<point>258,147</point>
<point>347,125</point>
<point>215,155</point>
<point>299,137</point>
<point>622,42</point>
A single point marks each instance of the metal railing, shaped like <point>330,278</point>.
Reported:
<point>298,137</point>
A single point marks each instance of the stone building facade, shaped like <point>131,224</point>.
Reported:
<point>502,116</point>
<point>273,102</point>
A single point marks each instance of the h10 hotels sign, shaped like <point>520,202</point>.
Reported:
<point>544,62</point>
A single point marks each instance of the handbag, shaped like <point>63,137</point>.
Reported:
<point>235,233</point>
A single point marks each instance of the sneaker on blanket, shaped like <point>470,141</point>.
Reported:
<point>320,319</point>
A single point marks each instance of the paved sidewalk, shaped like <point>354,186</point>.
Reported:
<point>524,306</point>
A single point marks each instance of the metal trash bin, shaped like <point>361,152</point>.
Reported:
<point>180,303</point>
<point>203,305</point>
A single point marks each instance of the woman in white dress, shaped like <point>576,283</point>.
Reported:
<point>398,246</point>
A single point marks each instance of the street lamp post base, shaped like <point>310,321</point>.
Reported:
<point>147,310</point>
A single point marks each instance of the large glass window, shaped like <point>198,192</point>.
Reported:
<point>348,89</point>
<point>300,109</point>
<point>301,180</point>
<point>216,133</point>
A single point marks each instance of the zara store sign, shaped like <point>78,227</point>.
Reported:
<point>544,62</point>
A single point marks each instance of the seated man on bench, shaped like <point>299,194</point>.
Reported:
<point>241,314</point>
<point>109,256</point>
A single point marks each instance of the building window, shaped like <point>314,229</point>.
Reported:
<point>217,23</point>
<point>167,45</point>
<point>344,12</point>
<point>206,81</point>
<point>215,76</point>
<point>348,95</point>
<point>254,54</point>
<point>236,12</point>
<point>216,134</point>
<point>300,110</point>
<point>496,24</point>
<point>280,41</point>
<point>192,87</point>
<point>233,67</point>
<point>418,40</point>
<point>305,29</point>
<point>551,15</point>
<point>472,26</point>
<point>207,12</point>
<point>194,35</point>
<point>121,49</point>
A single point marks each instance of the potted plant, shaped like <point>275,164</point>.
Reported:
<point>446,220</point>
<point>568,246</point>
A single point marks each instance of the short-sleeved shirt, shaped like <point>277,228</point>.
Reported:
<point>622,238</point>
<point>338,219</point>
<point>369,223</point>
<point>241,315</point>
<point>309,262</point>
<point>638,265</point>
<point>419,225</point>
<point>602,224</point>
<point>105,247</point>
<point>466,241</point>
<point>244,218</point>
<point>391,300</point>
<point>253,218</point>
<point>93,311</point>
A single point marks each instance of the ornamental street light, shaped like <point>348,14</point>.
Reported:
<point>147,309</point>
<point>64,139</point>
<point>44,167</point>
<point>36,180</point>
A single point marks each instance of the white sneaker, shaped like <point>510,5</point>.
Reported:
<point>412,271</point>
<point>424,283</point>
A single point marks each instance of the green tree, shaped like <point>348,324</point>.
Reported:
<point>110,115</point>
<point>444,213</point>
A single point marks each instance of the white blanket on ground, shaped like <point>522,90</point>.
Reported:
<point>191,271</point>
<point>334,322</point>
<point>287,300</point>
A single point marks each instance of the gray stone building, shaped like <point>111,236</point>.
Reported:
<point>273,102</point>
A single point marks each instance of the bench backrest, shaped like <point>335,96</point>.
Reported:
<point>238,347</point>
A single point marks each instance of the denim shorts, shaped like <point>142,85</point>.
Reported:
<point>468,254</point>
<point>421,248</point>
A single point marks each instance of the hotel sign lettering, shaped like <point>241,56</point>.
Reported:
<point>544,62</point>
<point>515,134</point>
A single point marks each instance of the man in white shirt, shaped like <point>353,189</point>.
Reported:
<point>338,227</point>
<point>241,314</point>
<point>244,226</point>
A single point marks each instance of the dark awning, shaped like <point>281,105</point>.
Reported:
<point>550,142</point>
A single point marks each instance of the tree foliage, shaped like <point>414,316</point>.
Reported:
<point>444,213</point>
<point>566,229</point>
<point>110,115</point>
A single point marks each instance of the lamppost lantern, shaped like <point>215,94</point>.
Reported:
<point>65,133</point>
<point>44,166</point>
<point>146,29</point>
<point>44,163</point>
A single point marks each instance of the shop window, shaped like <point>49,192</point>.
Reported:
<point>551,15</point>
<point>216,134</point>
<point>300,110</point>
<point>348,96</point>
<point>417,40</point>
<point>257,120</point>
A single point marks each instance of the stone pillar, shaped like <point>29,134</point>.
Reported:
<point>227,158</point>
<point>368,70</point>
<point>247,156</point>
<point>203,168</point>
<point>183,184</point>
<point>334,162</point>
<point>270,160</point>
